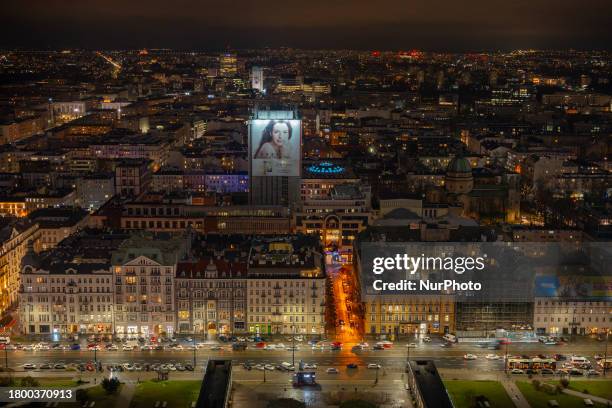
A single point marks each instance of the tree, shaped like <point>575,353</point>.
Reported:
<point>357,404</point>
<point>81,395</point>
<point>7,381</point>
<point>110,385</point>
<point>286,403</point>
<point>29,382</point>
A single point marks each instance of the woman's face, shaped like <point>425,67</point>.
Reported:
<point>280,134</point>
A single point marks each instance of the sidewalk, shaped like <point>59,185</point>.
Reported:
<point>515,394</point>
<point>593,398</point>
<point>125,396</point>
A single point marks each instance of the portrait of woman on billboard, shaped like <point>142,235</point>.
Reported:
<point>275,141</point>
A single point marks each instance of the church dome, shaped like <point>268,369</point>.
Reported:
<point>459,164</point>
<point>459,179</point>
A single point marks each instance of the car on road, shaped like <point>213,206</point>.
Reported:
<point>470,357</point>
<point>332,370</point>
<point>576,372</point>
<point>269,367</point>
<point>411,345</point>
<point>517,371</point>
<point>92,347</point>
<point>592,372</point>
<point>75,347</point>
<point>445,345</point>
<point>374,366</point>
<point>29,366</point>
<point>287,366</point>
<point>378,347</point>
<point>112,347</point>
<point>547,371</point>
<point>531,371</point>
<point>426,339</point>
<point>492,357</point>
<point>352,365</point>
<point>310,366</point>
<point>46,366</point>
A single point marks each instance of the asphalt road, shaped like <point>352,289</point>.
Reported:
<point>393,359</point>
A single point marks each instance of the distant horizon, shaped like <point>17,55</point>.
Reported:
<point>263,48</point>
<point>318,24</point>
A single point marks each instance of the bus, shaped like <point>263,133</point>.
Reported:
<point>605,363</point>
<point>531,363</point>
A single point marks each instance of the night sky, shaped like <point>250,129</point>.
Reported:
<point>436,25</point>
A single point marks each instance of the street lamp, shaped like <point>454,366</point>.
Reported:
<point>194,349</point>
<point>605,352</point>
<point>293,347</point>
<point>506,357</point>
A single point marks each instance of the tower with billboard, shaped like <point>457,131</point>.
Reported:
<point>257,78</point>
<point>275,157</point>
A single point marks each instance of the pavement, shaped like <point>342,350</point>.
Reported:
<point>125,396</point>
<point>593,398</point>
<point>515,394</point>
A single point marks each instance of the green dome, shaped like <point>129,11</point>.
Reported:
<point>459,164</point>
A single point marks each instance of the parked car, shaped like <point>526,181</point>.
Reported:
<point>332,370</point>
<point>351,365</point>
<point>374,366</point>
<point>517,371</point>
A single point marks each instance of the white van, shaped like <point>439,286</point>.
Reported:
<point>450,338</point>
<point>579,360</point>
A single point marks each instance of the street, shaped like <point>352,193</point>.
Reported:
<point>392,359</point>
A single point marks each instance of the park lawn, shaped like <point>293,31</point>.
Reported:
<point>97,394</point>
<point>599,388</point>
<point>539,399</point>
<point>178,394</point>
<point>463,392</point>
<point>57,382</point>
<point>52,382</point>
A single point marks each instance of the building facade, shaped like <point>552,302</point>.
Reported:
<point>143,273</point>
<point>286,287</point>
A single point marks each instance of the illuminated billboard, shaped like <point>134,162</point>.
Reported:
<point>275,147</point>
